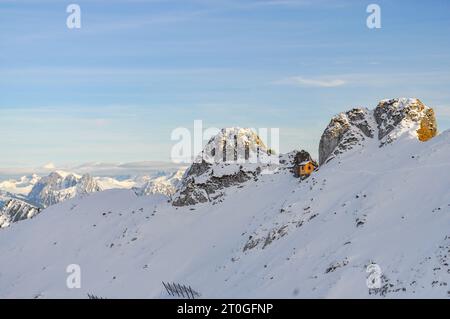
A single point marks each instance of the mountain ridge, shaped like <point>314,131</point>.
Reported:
<point>371,203</point>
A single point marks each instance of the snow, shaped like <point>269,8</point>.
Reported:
<point>274,237</point>
<point>21,186</point>
<point>112,183</point>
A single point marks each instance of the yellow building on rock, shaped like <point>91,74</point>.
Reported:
<point>305,168</point>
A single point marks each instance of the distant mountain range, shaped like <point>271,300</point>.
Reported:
<point>32,193</point>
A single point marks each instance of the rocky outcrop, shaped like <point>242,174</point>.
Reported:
<point>230,158</point>
<point>344,131</point>
<point>428,126</point>
<point>387,122</point>
<point>396,115</point>
<point>234,145</point>
<point>194,192</point>
<point>16,210</point>
<point>302,156</point>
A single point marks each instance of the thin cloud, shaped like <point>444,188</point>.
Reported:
<point>312,82</point>
<point>379,79</point>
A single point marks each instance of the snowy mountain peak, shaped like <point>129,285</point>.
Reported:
<point>87,184</point>
<point>165,184</point>
<point>58,186</point>
<point>390,120</point>
<point>233,156</point>
<point>233,144</point>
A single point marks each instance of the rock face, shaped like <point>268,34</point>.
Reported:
<point>58,187</point>
<point>232,157</point>
<point>428,126</point>
<point>302,156</point>
<point>344,131</point>
<point>16,210</point>
<point>396,115</point>
<point>207,187</point>
<point>387,122</point>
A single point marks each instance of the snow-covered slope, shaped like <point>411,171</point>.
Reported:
<point>113,183</point>
<point>273,236</point>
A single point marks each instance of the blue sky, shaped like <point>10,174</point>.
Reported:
<point>114,90</point>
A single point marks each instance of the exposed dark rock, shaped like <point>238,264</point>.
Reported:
<point>193,193</point>
<point>343,132</point>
